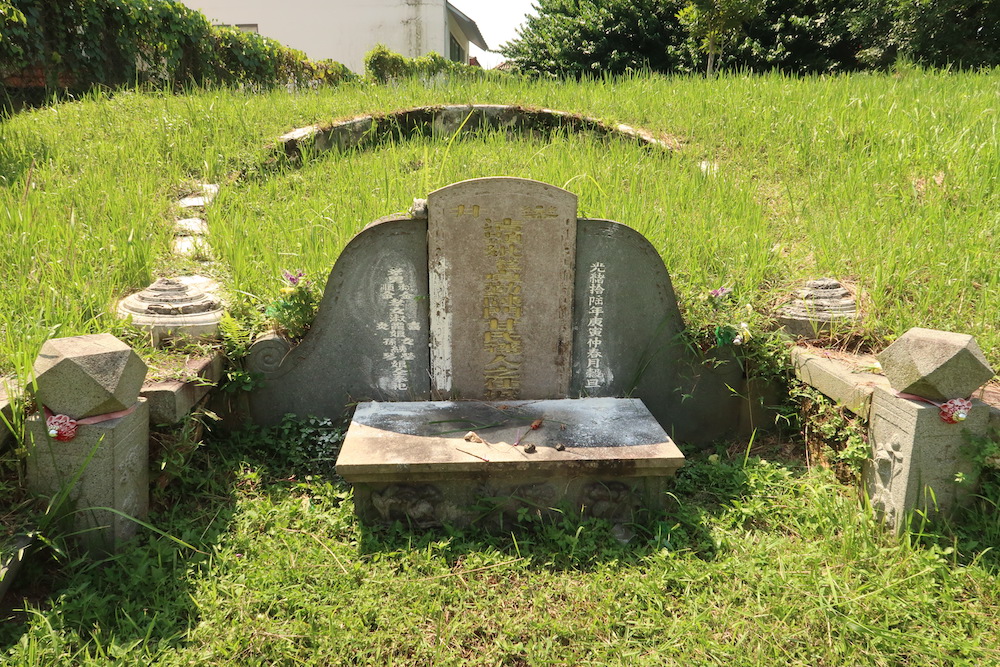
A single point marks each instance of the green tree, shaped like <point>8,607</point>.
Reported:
<point>9,16</point>
<point>581,37</point>
<point>948,32</point>
<point>715,22</point>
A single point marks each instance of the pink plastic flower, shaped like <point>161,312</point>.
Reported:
<point>61,427</point>
<point>956,410</point>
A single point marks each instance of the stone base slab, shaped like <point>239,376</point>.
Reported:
<point>843,382</point>
<point>603,457</point>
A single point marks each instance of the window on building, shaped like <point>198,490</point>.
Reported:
<point>457,52</point>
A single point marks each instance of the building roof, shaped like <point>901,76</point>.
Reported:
<point>468,26</point>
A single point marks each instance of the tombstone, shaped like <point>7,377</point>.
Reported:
<point>502,259</point>
<point>371,339</point>
<point>90,440</point>
<point>496,294</point>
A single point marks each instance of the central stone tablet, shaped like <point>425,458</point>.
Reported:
<point>452,462</point>
<point>502,265</point>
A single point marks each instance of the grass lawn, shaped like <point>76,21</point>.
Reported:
<point>889,182</point>
<point>760,563</point>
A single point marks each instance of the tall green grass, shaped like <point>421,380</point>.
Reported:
<point>889,181</point>
<point>758,564</point>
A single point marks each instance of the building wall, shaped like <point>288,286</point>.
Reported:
<point>343,30</point>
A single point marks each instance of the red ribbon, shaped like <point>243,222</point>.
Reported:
<point>952,412</point>
<point>63,428</point>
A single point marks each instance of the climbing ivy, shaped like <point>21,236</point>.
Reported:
<point>81,43</point>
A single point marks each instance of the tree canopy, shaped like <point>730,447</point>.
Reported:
<point>578,37</point>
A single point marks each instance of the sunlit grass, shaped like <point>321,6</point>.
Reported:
<point>889,181</point>
<point>759,563</point>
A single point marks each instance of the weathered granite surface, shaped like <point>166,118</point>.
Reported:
<point>818,307</point>
<point>174,308</point>
<point>83,376</point>
<point>106,465</point>
<point>170,401</point>
<point>367,131</point>
<point>612,329</point>
<point>418,462</point>
<point>939,365</point>
<point>628,337</point>
<point>916,457</point>
<point>501,257</point>
<point>843,382</point>
<point>370,337</point>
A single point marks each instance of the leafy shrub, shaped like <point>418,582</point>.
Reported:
<point>383,65</point>
<point>116,42</point>
<point>580,37</point>
<point>576,37</point>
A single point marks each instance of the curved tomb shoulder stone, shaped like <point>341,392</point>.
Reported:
<point>628,336</point>
<point>369,339</point>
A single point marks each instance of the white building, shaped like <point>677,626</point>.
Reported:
<point>345,30</point>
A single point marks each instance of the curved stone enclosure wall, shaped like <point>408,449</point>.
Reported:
<point>372,130</point>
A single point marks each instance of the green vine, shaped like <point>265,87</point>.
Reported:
<point>383,65</point>
<point>120,42</point>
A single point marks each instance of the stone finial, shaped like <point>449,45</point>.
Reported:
<point>175,307</point>
<point>818,307</point>
<point>84,376</point>
<point>938,365</point>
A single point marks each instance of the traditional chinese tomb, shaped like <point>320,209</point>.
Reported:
<point>491,309</point>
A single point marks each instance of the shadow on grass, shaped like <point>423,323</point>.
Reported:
<point>141,595</point>
<point>560,540</point>
<point>973,533</point>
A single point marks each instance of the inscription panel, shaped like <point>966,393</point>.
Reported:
<point>502,261</point>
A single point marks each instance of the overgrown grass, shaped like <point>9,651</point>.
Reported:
<point>886,180</point>
<point>760,563</point>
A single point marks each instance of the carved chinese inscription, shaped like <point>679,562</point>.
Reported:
<point>596,374</point>
<point>502,309</point>
<point>502,260</point>
<point>397,330</point>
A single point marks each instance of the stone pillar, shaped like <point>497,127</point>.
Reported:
<point>90,438</point>
<point>917,429</point>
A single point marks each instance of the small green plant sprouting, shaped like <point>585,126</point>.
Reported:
<point>294,311</point>
<point>983,450</point>
<point>237,338</point>
<point>831,435</point>
<point>729,323</point>
<point>238,379</point>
